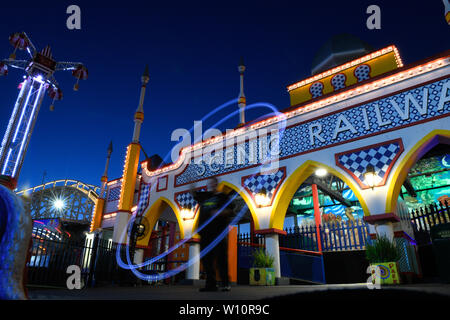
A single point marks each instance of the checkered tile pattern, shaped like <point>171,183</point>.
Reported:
<point>316,89</point>
<point>144,197</point>
<point>114,194</point>
<point>185,199</point>
<point>269,182</point>
<point>380,157</point>
<point>338,81</point>
<point>362,72</point>
<point>291,145</point>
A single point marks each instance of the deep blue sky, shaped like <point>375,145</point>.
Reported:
<point>192,49</point>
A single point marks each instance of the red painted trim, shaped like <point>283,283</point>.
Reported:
<point>366,101</point>
<point>301,251</point>
<point>444,55</point>
<point>381,217</point>
<point>262,174</point>
<point>193,240</point>
<point>167,183</point>
<point>271,231</point>
<point>386,175</point>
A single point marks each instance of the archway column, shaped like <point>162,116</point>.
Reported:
<point>193,271</point>
<point>273,247</point>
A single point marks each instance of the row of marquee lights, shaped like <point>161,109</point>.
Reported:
<point>348,65</point>
<point>378,84</point>
<point>262,200</point>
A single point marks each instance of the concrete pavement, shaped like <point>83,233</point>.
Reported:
<point>241,292</point>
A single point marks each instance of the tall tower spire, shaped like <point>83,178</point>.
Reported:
<point>241,99</point>
<point>130,168</point>
<point>100,203</point>
<point>139,114</point>
<point>104,178</point>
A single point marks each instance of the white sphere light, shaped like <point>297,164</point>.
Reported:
<point>58,204</point>
<point>321,172</point>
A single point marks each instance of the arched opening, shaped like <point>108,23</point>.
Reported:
<point>241,200</point>
<point>164,231</point>
<point>244,240</point>
<point>342,192</point>
<point>422,176</point>
<point>419,194</point>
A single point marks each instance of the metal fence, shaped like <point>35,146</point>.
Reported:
<point>51,255</point>
<point>337,236</point>
<point>424,218</point>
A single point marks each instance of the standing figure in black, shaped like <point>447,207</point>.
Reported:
<point>210,202</point>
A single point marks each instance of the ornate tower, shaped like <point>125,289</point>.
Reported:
<point>131,167</point>
<point>100,205</point>
<point>241,99</point>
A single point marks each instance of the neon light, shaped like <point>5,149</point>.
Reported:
<point>27,129</point>
<point>6,162</point>
<point>23,112</point>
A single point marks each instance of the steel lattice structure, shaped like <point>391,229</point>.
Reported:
<point>68,200</point>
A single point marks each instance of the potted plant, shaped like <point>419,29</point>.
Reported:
<point>262,273</point>
<point>383,256</point>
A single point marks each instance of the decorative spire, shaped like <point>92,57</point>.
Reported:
<point>104,178</point>
<point>241,98</point>
<point>139,114</point>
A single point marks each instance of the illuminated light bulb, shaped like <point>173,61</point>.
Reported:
<point>187,213</point>
<point>321,172</point>
<point>58,204</point>
<point>261,198</point>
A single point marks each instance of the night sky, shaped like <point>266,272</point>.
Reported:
<point>192,49</point>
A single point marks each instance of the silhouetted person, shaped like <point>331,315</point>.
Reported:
<point>210,202</point>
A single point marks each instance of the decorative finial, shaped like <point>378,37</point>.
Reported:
<point>146,76</point>
<point>241,67</point>
<point>110,149</point>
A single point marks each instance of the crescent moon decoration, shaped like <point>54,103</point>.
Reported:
<point>445,161</point>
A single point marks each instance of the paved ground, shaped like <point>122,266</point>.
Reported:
<point>242,292</point>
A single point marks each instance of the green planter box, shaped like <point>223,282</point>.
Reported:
<point>262,276</point>
<point>388,272</point>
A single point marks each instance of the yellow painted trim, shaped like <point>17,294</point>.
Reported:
<point>129,177</point>
<point>247,199</point>
<point>98,213</point>
<point>293,182</point>
<point>401,171</point>
<point>154,212</point>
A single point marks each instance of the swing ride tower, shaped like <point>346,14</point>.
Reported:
<point>38,79</point>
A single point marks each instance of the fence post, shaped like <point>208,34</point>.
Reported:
<point>93,260</point>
